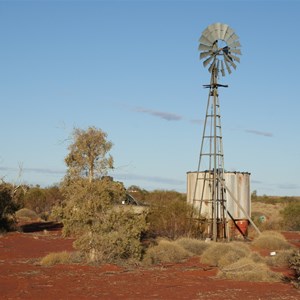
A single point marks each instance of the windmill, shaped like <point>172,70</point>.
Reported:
<point>220,50</point>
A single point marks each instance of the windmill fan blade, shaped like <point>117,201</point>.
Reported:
<point>204,47</point>
<point>227,67</point>
<point>223,31</point>
<point>234,57</point>
<point>217,30</point>
<point>234,44</point>
<point>205,41</point>
<point>205,54</point>
<point>222,68</point>
<point>206,35</point>
<point>207,61</point>
<point>213,34</point>
<point>229,60</point>
<point>228,34</point>
<point>232,39</point>
<point>236,51</point>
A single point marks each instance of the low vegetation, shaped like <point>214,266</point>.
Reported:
<point>294,263</point>
<point>291,216</point>
<point>223,254</point>
<point>170,217</point>
<point>165,252</point>
<point>64,257</point>
<point>271,240</point>
<point>276,213</point>
<point>245,269</point>
<point>26,214</point>
<point>194,246</point>
<point>7,208</point>
<point>280,259</point>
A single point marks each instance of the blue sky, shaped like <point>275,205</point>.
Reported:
<point>132,69</point>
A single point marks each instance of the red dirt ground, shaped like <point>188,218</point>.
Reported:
<point>21,276</point>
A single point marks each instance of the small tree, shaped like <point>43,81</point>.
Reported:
<point>104,231</point>
<point>88,155</point>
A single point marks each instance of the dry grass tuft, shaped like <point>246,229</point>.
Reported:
<point>63,257</point>
<point>256,257</point>
<point>27,214</point>
<point>197,247</point>
<point>271,240</point>
<point>246,269</point>
<point>281,259</point>
<point>165,251</point>
<point>223,254</point>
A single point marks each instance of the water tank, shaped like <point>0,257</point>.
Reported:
<point>238,184</point>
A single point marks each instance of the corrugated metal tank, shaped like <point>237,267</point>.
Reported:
<point>238,184</point>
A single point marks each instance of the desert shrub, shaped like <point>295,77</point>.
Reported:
<point>114,238</point>
<point>27,214</point>
<point>165,252</point>
<point>138,193</point>
<point>223,254</point>
<point>281,259</point>
<point>291,216</point>
<point>267,216</point>
<point>294,264</point>
<point>86,203</point>
<point>104,232</point>
<point>271,240</point>
<point>7,208</point>
<point>170,219</point>
<point>162,196</point>
<point>245,269</point>
<point>63,257</point>
<point>40,200</point>
<point>194,246</point>
<point>35,199</point>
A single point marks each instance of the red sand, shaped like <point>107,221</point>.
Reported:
<point>21,276</point>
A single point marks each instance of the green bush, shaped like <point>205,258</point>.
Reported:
<point>170,219</point>
<point>291,216</point>
<point>104,232</point>
<point>114,237</point>
<point>35,198</point>
<point>165,252</point>
<point>7,208</point>
<point>271,240</point>
<point>294,263</point>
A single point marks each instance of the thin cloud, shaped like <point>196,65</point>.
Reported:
<point>197,121</point>
<point>288,186</point>
<point>257,132</point>
<point>160,114</point>
<point>34,170</point>
<point>149,179</point>
<point>256,182</point>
